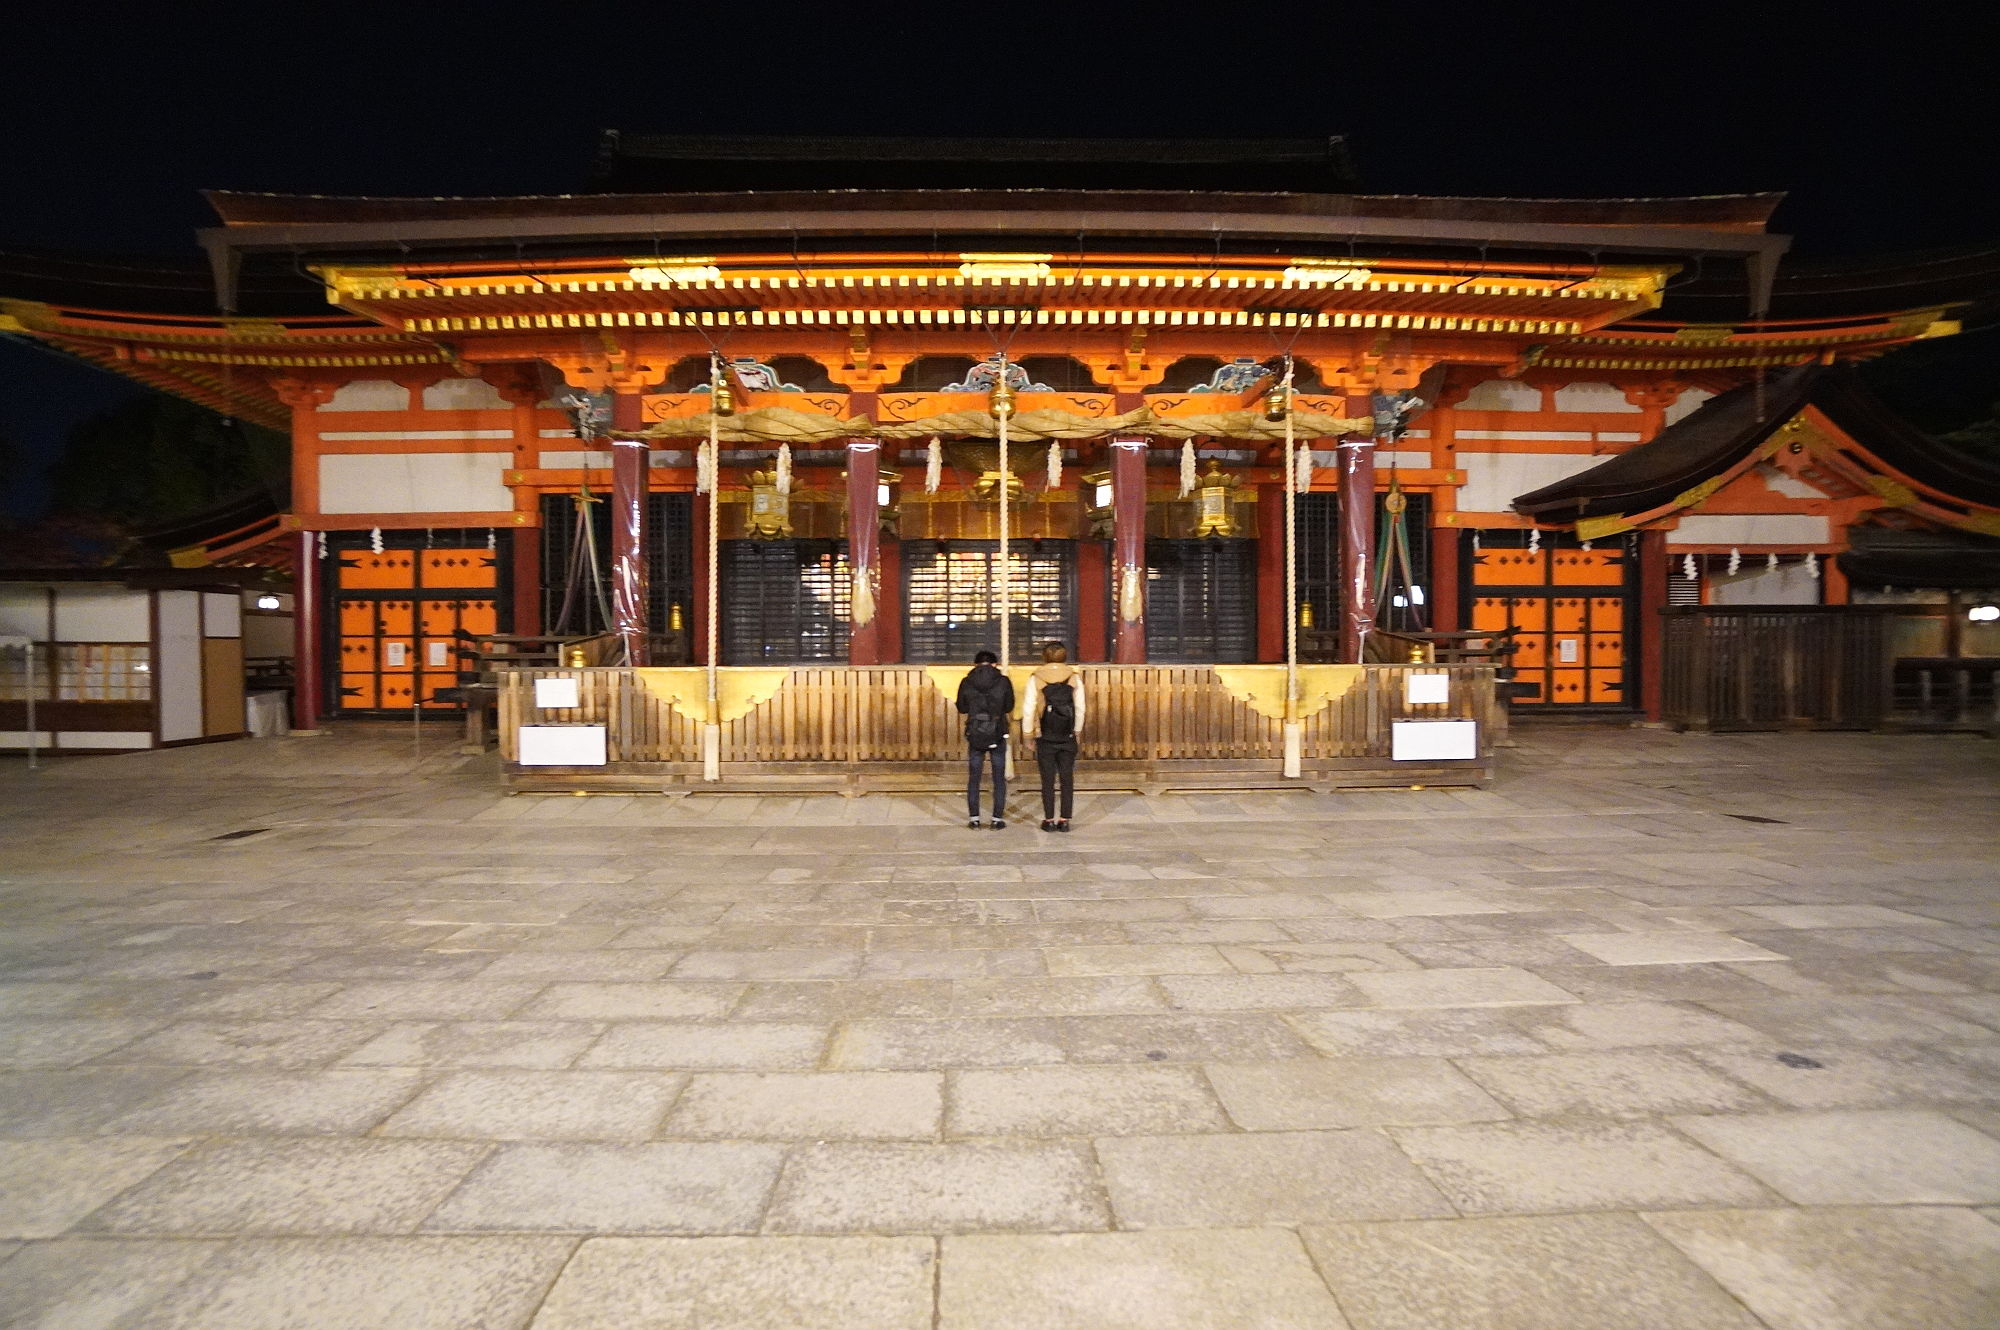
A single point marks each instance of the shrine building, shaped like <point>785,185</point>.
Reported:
<point>785,402</point>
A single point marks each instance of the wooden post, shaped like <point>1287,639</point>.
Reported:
<point>703,570</point>
<point>1447,610</point>
<point>864,528</point>
<point>1270,572</point>
<point>1650,632</point>
<point>630,459</point>
<point>307,689</point>
<point>1128,557</point>
<point>525,550</point>
<point>1093,596</point>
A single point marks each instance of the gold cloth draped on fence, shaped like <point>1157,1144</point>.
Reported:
<point>1262,687</point>
<point>739,690</point>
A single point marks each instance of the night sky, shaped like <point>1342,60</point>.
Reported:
<point>114,122</point>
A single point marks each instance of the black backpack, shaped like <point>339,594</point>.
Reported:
<point>986,713</point>
<point>1058,711</point>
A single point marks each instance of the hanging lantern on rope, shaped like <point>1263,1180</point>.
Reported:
<point>1688,569</point>
<point>1278,403</point>
<point>1055,465</point>
<point>784,476</point>
<point>934,466</point>
<point>1003,399</point>
<point>1187,467</point>
<point>1735,560</point>
<point>722,398</point>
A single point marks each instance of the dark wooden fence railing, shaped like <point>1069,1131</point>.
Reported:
<point>1815,667</point>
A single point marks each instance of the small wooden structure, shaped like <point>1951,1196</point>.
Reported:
<point>838,726</point>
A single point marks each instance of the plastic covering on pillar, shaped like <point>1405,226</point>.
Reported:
<point>628,548</point>
<point>1357,546</point>
<point>864,541</point>
<point>1128,558</point>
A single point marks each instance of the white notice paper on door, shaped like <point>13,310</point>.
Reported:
<point>1426,689</point>
<point>438,653</point>
<point>1568,650</point>
<point>395,655</point>
<point>555,693</point>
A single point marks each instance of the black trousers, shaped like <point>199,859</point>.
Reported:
<point>975,759</point>
<point>1057,759</point>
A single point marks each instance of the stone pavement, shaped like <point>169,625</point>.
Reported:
<point>1661,1031</point>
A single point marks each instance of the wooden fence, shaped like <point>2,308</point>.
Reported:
<point>1821,667</point>
<point>879,716</point>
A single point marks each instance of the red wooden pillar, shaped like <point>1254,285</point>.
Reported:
<point>889,603</point>
<point>1446,606</point>
<point>629,462</point>
<point>1270,573</point>
<point>1357,535</point>
<point>307,640</point>
<point>1652,627</point>
<point>526,544</point>
<point>864,544</point>
<point>1834,589</point>
<point>1093,596</point>
<point>1128,555</point>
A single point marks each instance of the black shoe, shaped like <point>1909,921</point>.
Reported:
<point>975,824</point>
<point>999,824</point>
<point>1063,825</point>
<point>1048,824</point>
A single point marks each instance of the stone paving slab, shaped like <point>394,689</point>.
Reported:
<point>1577,1047</point>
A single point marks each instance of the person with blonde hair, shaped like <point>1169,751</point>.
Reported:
<point>1052,721</point>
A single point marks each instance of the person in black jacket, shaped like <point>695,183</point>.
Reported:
<point>986,700</point>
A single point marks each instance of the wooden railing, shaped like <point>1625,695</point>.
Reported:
<point>1823,667</point>
<point>858,715</point>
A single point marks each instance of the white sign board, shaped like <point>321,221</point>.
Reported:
<point>437,654</point>
<point>551,694</point>
<point>1433,740</point>
<point>1421,690</point>
<point>1569,650</point>
<point>562,745</point>
<point>395,655</point>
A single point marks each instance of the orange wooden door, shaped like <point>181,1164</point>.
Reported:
<point>399,614</point>
<point>1571,607</point>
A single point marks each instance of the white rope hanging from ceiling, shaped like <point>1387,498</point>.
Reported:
<point>1055,465</point>
<point>784,475</point>
<point>1303,481</point>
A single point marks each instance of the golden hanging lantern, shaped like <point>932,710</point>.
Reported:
<point>1277,403</point>
<point>1003,399</point>
<point>1305,614</point>
<point>768,516</point>
<point>1215,502</point>
<point>674,619</point>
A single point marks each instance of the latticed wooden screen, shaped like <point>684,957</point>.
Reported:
<point>951,610</point>
<point>784,602</point>
<point>1201,600</point>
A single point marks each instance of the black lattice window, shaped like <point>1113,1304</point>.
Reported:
<point>784,602</point>
<point>1201,600</point>
<point>1319,562</point>
<point>950,605</point>
<point>669,541</point>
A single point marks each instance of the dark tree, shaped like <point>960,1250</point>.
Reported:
<point>155,459</point>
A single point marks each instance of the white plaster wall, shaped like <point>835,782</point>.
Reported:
<point>1750,529</point>
<point>1789,486</point>
<point>1687,404</point>
<point>573,459</point>
<point>177,666</point>
<point>222,614</point>
<point>24,610</point>
<point>463,395</point>
<point>1494,480</point>
<point>1760,584</point>
<point>1503,395</point>
<point>103,614</point>
<point>415,483</point>
<point>1603,397</point>
<point>117,739</point>
<point>368,395</point>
